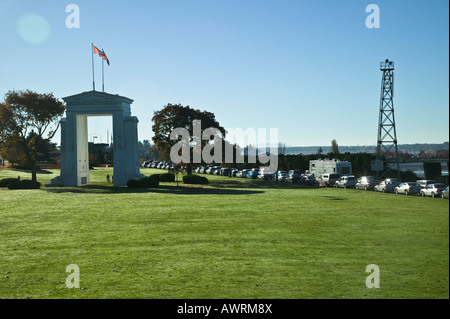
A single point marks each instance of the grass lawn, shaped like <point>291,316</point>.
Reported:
<point>234,238</point>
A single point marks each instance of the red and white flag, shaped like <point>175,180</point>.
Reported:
<point>101,53</point>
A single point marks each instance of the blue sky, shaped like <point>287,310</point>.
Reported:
<point>307,67</point>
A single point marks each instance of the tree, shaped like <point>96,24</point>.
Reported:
<point>334,147</point>
<point>174,116</point>
<point>319,150</point>
<point>11,151</point>
<point>26,120</point>
<point>282,148</point>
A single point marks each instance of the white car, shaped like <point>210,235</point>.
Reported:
<point>408,188</point>
<point>424,182</point>
<point>242,174</point>
<point>346,182</point>
<point>433,190</point>
<point>282,176</point>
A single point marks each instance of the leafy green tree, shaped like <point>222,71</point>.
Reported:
<point>174,116</point>
<point>27,119</point>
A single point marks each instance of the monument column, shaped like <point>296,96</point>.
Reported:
<point>131,134</point>
<point>70,151</point>
<point>119,153</point>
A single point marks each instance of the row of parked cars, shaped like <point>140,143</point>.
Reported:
<point>293,176</point>
<point>390,185</point>
<point>253,173</point>
<point>157,164</point>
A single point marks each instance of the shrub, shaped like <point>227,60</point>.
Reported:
<point>155,176</point>
<point>146,182</point>
<point>5,182</point>
<point>24,184</point>
<point>167,177</point>
<point>195,179</point>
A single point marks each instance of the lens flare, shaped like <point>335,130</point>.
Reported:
<point>33,28</point>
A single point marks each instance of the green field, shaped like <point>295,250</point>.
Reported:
<point>234,238</point>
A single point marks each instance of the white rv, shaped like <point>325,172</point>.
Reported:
<point>327,166</point>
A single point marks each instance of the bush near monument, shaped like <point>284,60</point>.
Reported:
<point>24,184</point>
<point>166,177</point>
<point>6,181</point>
<point>146,182</point>
<point>195,179</point>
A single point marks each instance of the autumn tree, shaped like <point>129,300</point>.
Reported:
<point>27,121</point>
<point>174,116</point>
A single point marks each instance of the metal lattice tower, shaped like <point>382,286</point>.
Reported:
<point>387,135</point>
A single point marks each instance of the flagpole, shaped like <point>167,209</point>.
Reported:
<point>103,73</point>
<point>93,77</point>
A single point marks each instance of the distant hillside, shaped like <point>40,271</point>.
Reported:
<point>404,148</point>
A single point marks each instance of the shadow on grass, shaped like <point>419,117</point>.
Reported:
<point>162,189</point>
<point>257,183</point>
<point>38,172</point>
<point>334,198</point>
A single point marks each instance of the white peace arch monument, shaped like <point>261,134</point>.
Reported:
<point>74,138</point>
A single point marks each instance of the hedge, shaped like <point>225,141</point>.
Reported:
<point>195,179</point>
<point>24,184</point>
<point>146,182</point>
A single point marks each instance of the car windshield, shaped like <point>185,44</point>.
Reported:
<point>440,185</point>
<point>413,184</point>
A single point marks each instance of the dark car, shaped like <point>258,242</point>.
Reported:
<point>386,186</point>
<point>366,183</point>
<point>308,179</point>
<point>346,182</point>
<point>252,174</point>
<point>294,176</point>
<point>265,175</point>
